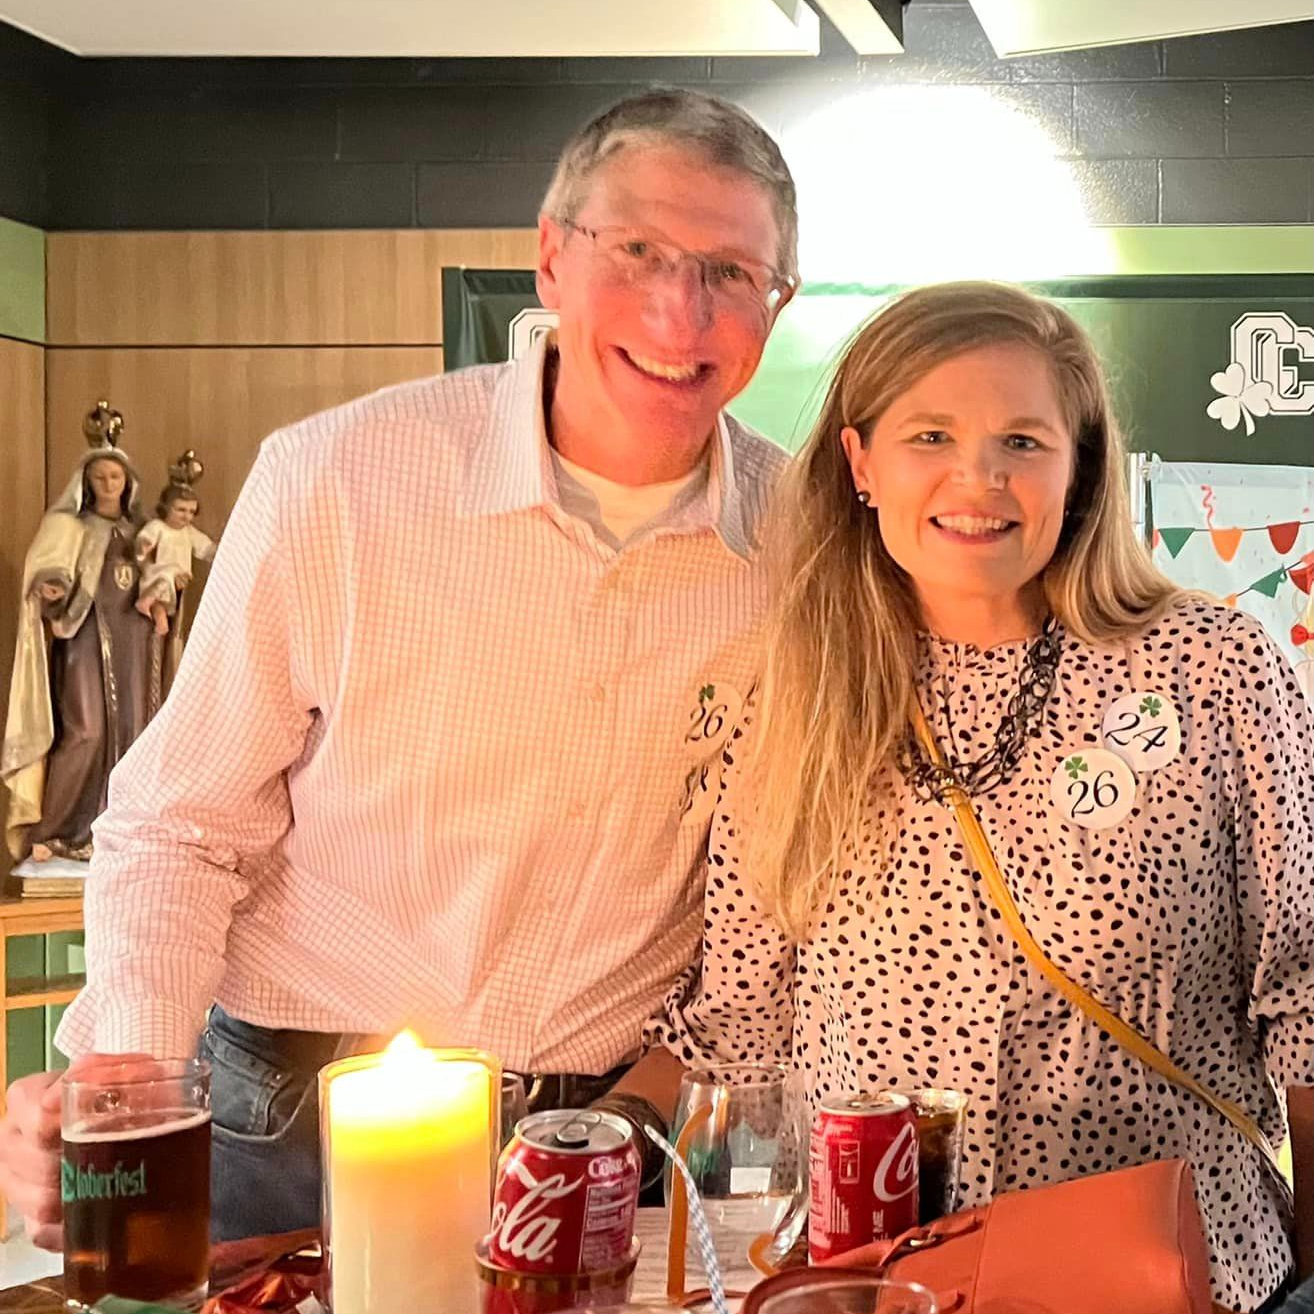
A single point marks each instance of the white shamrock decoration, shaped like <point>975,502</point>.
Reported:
<point>1240,398</point>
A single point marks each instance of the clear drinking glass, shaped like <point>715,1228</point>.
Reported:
<point>743,1130</point>
<point>816,1292</point>
<point>135,1182</point>
<point>515,1105</point>
<point>941,1128</point>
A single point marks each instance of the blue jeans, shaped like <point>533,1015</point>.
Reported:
<point>264,1156</point>
<point>1301,1301</point>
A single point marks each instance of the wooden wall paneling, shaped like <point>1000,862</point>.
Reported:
<point>222,402</point>
<point>379,287</point>
<point>23,495</point>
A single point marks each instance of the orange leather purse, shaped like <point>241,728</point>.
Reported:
<point>1126,1242</point>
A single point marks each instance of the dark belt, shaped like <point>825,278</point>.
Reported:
<point>567,1090</point>
<point>308,1051</point>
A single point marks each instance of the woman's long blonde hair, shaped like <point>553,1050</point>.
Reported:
<point>841,648</point>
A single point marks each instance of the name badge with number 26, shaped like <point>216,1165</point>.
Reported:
<point>1094,788</point>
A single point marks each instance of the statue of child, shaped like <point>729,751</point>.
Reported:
<point>167,545</point>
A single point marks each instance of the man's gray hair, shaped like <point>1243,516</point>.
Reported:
<point>720,132</point>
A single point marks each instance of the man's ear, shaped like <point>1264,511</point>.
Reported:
<point>551,240</point>
<point>789,294</point>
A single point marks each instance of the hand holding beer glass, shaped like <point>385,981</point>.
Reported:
<point>135,1182</point>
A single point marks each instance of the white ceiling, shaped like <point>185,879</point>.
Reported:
<point>560,28</point>
<point>1025,27</point>
<point>415,28</point>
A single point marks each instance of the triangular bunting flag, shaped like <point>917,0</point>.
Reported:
<point>1284,536</point>
<point>1226,542</point>
<point>1270,584</point>
<point>1175,539</point>
<point>1155,540</point>
<point>1230,600</point>
<point>1302,576</point>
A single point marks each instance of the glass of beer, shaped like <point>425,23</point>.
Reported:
<point>135,1182</point>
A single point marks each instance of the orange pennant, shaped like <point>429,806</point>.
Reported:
<point>1302,577</point>
<point>1226,542</point>
<point>1230,600</point>
<point>1284,536</point>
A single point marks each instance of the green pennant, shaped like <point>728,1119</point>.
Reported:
<point>1175,539</point>
<point>1270,584</point>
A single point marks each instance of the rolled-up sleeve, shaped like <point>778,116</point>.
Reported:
<point>736,1004</point>
<point>204,786</point>
<point>1273,800</point>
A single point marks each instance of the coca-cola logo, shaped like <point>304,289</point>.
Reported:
<point>896,1174</point>
<point>604,1166</point>
<point>527,1228</point>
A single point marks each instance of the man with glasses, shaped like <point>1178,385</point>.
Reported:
<point>443,750</point>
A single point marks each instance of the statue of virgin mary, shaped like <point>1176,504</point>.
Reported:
<point>83,682</point>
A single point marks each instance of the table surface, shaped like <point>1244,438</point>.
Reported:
<point>46,1296</point>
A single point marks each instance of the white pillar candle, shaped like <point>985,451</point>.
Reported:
<point>409,1152</point>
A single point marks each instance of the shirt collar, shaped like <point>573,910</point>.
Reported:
<point>510,469</point>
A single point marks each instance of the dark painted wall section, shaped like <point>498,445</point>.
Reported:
<point>1214,129</point>
<point>29,71</point>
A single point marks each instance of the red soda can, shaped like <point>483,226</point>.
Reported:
<point>567,1188</point>
<point>863,1164</point>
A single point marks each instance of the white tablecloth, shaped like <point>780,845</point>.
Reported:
<point>650,1278</point>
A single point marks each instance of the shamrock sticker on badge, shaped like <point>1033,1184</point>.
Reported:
<point>1094,789</point>
<point>1144,730</point>
<point>712,718</point>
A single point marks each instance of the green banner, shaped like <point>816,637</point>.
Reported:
<point>1168,343</point>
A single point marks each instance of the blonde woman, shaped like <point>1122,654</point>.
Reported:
<point>957,532</point>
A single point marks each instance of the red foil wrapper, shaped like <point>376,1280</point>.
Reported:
<point>258,1286</point>
<point>266,1293</point>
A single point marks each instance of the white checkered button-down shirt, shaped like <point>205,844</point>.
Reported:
<point>434,755</point>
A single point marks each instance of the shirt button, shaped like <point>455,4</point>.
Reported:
<point>598,693</point>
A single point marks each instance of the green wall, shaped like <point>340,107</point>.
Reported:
<point>1167,249</point>
<point>22,282</point>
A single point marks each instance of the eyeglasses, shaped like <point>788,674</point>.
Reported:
<point>639,258</point>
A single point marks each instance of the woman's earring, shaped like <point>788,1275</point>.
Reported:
<point>864,497</point>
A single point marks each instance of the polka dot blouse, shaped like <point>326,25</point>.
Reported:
<point>1193,918</point>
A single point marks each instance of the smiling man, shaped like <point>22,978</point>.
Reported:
<point>441,752</point>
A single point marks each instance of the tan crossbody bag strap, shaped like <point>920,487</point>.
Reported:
<point>978,845</point>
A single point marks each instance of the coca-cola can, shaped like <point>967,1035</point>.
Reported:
<point>567,1188</point>
<point>863,1164</point>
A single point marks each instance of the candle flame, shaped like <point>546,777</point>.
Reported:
<point>404,1045</point>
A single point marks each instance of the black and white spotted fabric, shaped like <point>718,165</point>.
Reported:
<point>1193,919</point>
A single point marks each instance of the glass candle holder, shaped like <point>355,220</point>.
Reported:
<point>409,1142</point>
